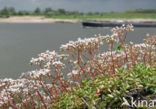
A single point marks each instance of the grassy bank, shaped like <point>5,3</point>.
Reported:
<point>107,16</point>
<point>94,16</point>
<point>131,14</point>
<point>63,14</point>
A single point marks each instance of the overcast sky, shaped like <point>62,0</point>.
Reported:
<point>81,5</point>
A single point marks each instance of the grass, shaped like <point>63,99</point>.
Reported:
<point>107,16</point>
<point>97,16</point>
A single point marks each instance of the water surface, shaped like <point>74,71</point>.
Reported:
<point>20,42</point>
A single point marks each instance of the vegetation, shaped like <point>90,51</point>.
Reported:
<point>105,91</point>
<point>84,77</point>
<point>63,14</point>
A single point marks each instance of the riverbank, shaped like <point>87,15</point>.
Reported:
<point>42,19</point>
<point>35,19</point>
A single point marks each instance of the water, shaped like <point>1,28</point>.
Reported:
<point>20,42</point>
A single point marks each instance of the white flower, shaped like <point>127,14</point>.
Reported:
<point>83,44</point>
<point>123,28</point>
<point>74,73</point>
<point>37,73</point>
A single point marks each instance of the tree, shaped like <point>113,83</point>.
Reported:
<point>62,11</point>
<point>12,10</point>
<point>48,10</point>
<point>37,10</point>
<point>22,13</point>
<point>5,11</point>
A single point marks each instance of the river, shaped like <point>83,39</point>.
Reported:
<point>20,42</point>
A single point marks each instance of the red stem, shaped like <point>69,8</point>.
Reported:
<point>41,99</point>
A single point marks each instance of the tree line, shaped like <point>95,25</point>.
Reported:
<point>11,11</point>
<point>49,12</point>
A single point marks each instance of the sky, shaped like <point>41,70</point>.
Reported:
<point>81,5</point>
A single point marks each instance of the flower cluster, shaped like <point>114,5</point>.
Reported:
<point>123,28</point>
<point>49,59</point>
<point>82,44</point>
<point>21,89</point>
<point>111,39</point>
<point>61,73</point>
<point>36,74</point>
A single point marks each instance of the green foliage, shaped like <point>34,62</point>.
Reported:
<point>148,11</point>
<point>7,11</point>
<point>64,14</point>
<point>105,91</point>
<point>62,11</point>
<point>37,10</point>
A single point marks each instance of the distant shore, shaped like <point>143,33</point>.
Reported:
<point>35,19</point>
<point>42,19</point>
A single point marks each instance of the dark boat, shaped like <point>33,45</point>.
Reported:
<point>118,23</point>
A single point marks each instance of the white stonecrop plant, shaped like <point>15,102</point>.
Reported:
<point>40,88</point>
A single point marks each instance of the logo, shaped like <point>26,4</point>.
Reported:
<point>138,102</point>
<point>125,102</point>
